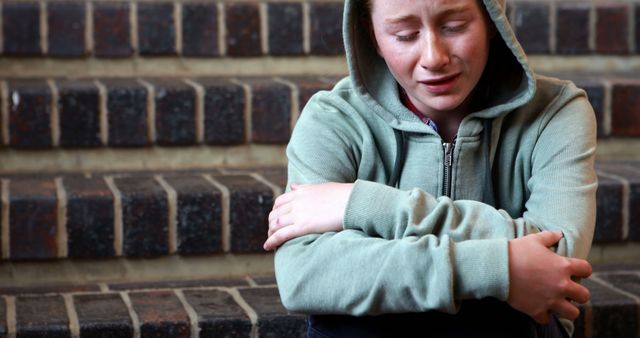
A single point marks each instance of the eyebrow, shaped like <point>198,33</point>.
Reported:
<point>439,13</point>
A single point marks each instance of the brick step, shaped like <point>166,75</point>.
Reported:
<point>213,28</point>
<point>130,113</point>
<point>213,212</point>
<point>241,307</point>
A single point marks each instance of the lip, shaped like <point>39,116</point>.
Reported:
<point>441,84</point>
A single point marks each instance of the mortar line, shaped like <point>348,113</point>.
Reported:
<point>6,243</point>
<point>133,23</point>
<point>177,21</point>
<point>172,202</point>
<point>72,315</point>
<point>88,30</point>
<point>191,312</point>
<point>226,197</point>
<point>264,27</point>
<point>553,26</point>
<point>593,21</point>
<point>612,287</point>
<point>294,99</point>
<point>608,100</point>
<point>151,111</point>
<point>4,110</point>
<point>625,200</point>
<point>117,215</point>
<point>11,316</point>
<point>103,111</point>
<point>199,89</point>
<point>44,28</point>
<point>277,191</point>
<point>62,236</point>
<point>222,30</point>
<point>251,313</point>
<point>55,117</point>
<point>306,28</point>
<point>103,287</point>
<point>135,321</point>
<point>248,107</point>
<point>252,283</point>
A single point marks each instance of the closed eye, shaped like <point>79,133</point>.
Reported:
<point>405,37</point>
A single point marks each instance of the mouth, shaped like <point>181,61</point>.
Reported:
<point>441,85</point>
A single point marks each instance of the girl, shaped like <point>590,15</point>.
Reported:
<point>426,189</point>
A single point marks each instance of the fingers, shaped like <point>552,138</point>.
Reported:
<point>577,293</point>
<point>280,222</point>
<point>566,310</point>
<point>579,268</point>
<point>549,238</point>
<point>283,199</point>
<point>279,237</point>
<point>542,318</point>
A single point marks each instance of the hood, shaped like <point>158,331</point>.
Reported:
<point>507,80</point>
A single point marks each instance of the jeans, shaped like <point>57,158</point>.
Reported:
<point>477,318</point>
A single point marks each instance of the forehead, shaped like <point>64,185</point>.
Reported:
<point>418,7</point>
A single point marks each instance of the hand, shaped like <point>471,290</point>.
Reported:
<point>307,209</point>
<point>540,280</point>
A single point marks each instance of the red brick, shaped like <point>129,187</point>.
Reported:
<point>285,28</point>
<point>103,315</point>
<point>609,211</point>
<point>572,28</point>
<point>21,28</point>
<point>612,28</point>
<point>79,113</point>
<point>273,318</point>
<point>111,29</point>
<point>224,105</point>
<point>218,312</point>
<point>29,114</point>
<point>126,112</point>
<point>175,112</point>
<point>200,29</point>
<point>271,111</point>
<point>41,316</point>
<point>66,28</point>
<point>326,28</point>
<point>625,109</point>
<point>532,26</point>
<point>156,29</point>
<point>308,86</point>
<point>243,29</point>
<point>161,314</point>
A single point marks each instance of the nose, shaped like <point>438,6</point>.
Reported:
<point>435,53</point>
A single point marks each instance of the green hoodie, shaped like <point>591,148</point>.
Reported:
<point>521,164</point>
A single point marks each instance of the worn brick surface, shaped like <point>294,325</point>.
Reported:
<point>270,111</point>
<point>90,217</point>
<point>285,28</point>
<point>264,280</point>
<point>103,315</point>
<point>199,215</point>
<point>218,313</point>
<point>307,86</point>
<point>243,29</point>
<point>273,319</point>
<point>3,318</point>
<point>614,314</point>
<point>41,316</point>
<point>532,26</point>
<point>249,206</point>
<point>49,288</point>
<point>156,29</point>
<point>572,28</point>
<point>179,284</point>
<point>625,109</point>
<point>326,28</point>
<point>66,28</point>
<point>224,105</point>
<point>29,114</point>
<point>144,216</point>
<point>612,28</point>
<point>595,92</point>
<point>609,211</point>
<point>200,29</point>
<point>637,19</point>
<point>79,113</point>
<point>579,325</point>
<point>629,282</point>
<point>32,219</point>
<point>21,28</point>
<point>630,173</point>
<point>161,314</point>
<point>126,113</point>
<point>112,29</point>
<point>175,112</point>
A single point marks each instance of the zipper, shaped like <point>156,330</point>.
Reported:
<point>448,164</point>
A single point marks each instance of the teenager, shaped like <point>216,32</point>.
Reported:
<point>442,188</point>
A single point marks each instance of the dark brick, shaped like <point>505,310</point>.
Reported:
<point>609,211</point>
<point>612,28</point>
<point>161,314</point>
<point>29,114</point>
<point>243,29</point>
<point>156,29</point>
<point>179,284</point>
<point>572,28</point>
<point>264,280</point>
<point>199,215</point>
<point>614,315</point>
<point>111,29</point>
<point>50,288</point>
<point>273,318</point>
<point>271,112</point>
<point>624,281</point>
<point>308,86</point>
<point>21,27</point>
<point>224,105</point>
<point>79,113</point>
<point>175,113</point>
<point>127,113</point>
<point>249,207</point>
<point>637,19</point>
<point>595,91</point>
<point>90,217</point>
<point>632,176</point>
<point>532,26</point>
<point>200,29</point>
<point>579,325</point>
<point>326,28</point>
<point>33,220</point>
<point>144,216</point>
<point>285,28</point>
<point>3,318</point>
<point>625,109</point>
<point>103,315</point>
<point>41,316</point>
<point>66,28</point>
<point>218,314</point>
